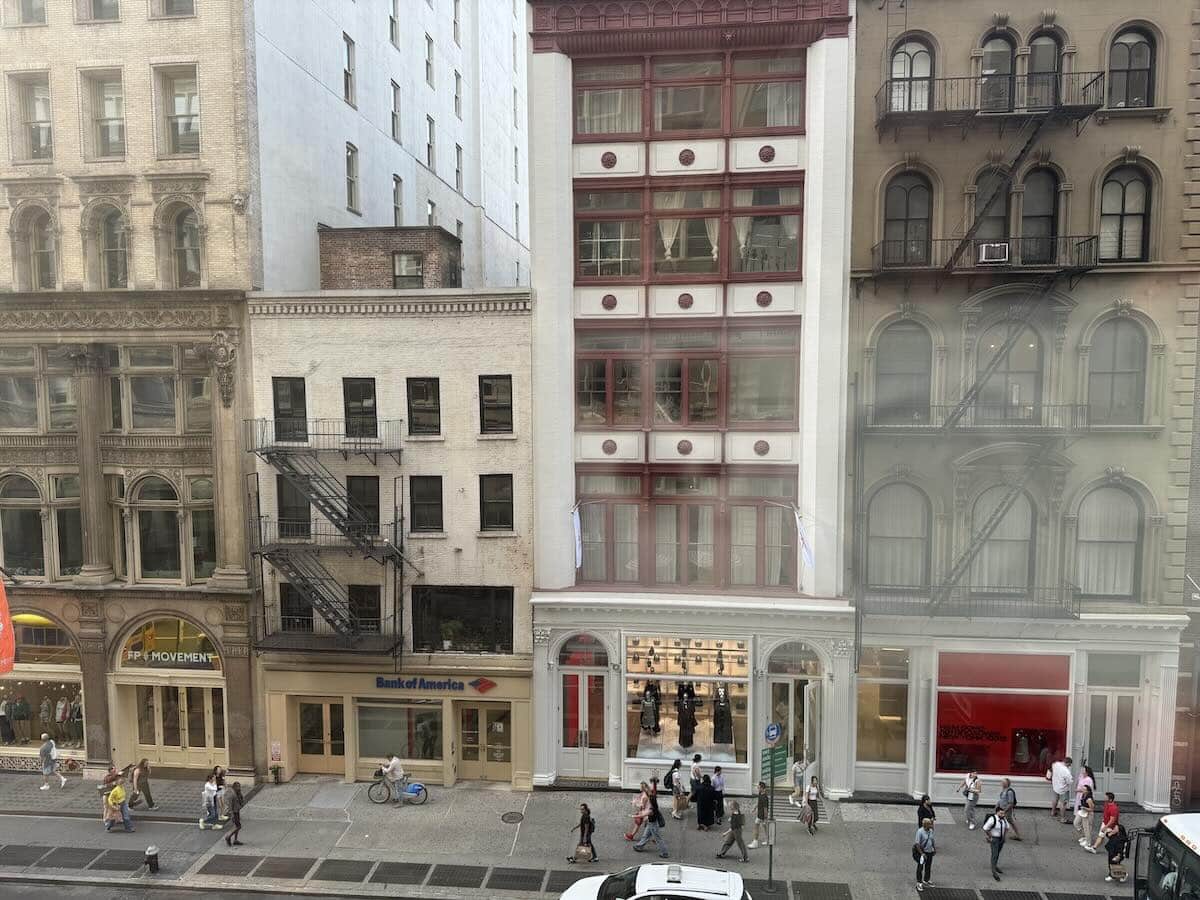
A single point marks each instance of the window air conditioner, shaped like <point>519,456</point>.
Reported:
<point>993,254</point>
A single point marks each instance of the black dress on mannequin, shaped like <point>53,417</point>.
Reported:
<point>687,722</point>
<point>722,717</point>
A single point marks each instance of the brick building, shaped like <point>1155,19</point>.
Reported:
<point>389,258</point>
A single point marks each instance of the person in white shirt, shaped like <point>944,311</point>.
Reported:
<point>1061,782</point>
<point>995,828</point>
<point>393,774</point>
<point>971,788</point>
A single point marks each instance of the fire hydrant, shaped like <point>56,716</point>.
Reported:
<point>152,859</point>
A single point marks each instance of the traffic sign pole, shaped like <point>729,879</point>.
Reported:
<point>772,734</point>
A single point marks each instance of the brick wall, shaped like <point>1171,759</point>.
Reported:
<point>361,258</point>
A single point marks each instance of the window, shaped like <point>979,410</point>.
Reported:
<point>106,106</point>
<point>495,503</point>
<point>158,389</point>
<point>903,374</point>
<point>362,500</point>
<point>996,81</point>
<point>180,102</point>
<point>348,69</point>
<point>430,144</point>
<point>1131,70</point>
<point>410,731</point>
<point>608,98</point>
<point>687,389</point>
<point>1005,563</point>
<point>175,7</point>
<point>365,607</point>
<point>293,509</point>
<point>609,248</point>
<point>768,92</point>
<point>295,610</point>
<point>882,682</point>
<point>291,409</point>
<point>907,221</point>
<point>1013,390</point>
<point>1108,544</point>
<point>351,177</point>
<point>185,248</point>
<point>424,406</point>
<point>430,213</point>
<point>687,95</point>
<point>18,387</point>
<point>396,112</point>
<point>35,124</point>
<point>156,504</point>
<point>458,168</point>
<point>21,549</point>
<point>517,231</point>
<point>68,524</point>
<point>898,520</point>
<point>406,271</point>
<point>495,404</point>
<point>1117,375</point>
<point>425,503</point>
<point>458,22</point>
<point>114,261</point>
<point>514,53</point>
<point>992,215</point>
<point>358,395</point>
<point>43,251</point>
<point>1045,64</point>
<point>1125,216</point>
<point>397,201</point>
<point>472,619</point>
<point>1039,217</point>
<point>458,94</point>
<point>768,238</point>
<point>394,24</point>
<point>98,10</point>
<point>911,77</point>
<point>429,60</point>
<point>31,12</point>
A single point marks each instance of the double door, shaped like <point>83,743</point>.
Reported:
<point>1111,746</point>
<point>322,735</point>
<point>581,750</point>
<point>180,725</point>
<point>485,742</point>
<point>796,707</point>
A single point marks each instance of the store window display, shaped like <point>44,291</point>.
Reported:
<point>686,696</point>
<point>882,705</point>
<point>44,691</point>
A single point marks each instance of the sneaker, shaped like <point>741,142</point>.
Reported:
<point>971,827</point>
<point>664,856</point>
<point>63,780</point>
<point>202,824</point>
<point>920,887</point>
<point>637,849</point>
<point>753,845</point>
<point>1090,849</point>
<point>791,802</point>
<point>44,787</point>
<point>929,884</point>
<point>216,826</point>
<point>1108,878</point>
<point>151,807</point>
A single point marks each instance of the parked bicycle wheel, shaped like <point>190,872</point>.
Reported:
<point>378,792</point>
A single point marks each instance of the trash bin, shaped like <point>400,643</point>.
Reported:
<point>152,859</point>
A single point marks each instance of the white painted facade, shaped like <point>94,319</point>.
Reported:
<point>304,124</point>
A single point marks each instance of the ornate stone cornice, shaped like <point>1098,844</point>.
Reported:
<point>91,314</point>
<point>42,188</point>
<point>177,183</point>
<point>332,304</point>
<point>104,185</point>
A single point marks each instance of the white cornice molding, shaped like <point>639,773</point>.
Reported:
<point>325,304</point>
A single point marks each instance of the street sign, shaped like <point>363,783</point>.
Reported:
<point>774,762</point>
<point>773,733</point>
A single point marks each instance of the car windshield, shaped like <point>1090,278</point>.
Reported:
<point>618,887</point>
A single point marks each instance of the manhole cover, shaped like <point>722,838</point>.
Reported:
<point>512,818</point>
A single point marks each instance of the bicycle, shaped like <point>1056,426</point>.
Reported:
<point>412,792</point>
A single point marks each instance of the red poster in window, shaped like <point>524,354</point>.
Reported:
<point>1000,734</point>
<point>8,644</point>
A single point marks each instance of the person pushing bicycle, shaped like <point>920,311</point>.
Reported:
<point>393,774</point>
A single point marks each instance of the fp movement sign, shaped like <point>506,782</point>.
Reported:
<point>417,683</point>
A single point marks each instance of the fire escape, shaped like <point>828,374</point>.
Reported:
<point>1027,108</point>
<point>295,449</point>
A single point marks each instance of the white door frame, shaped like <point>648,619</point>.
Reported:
<point>589,758</point>
<point>1108,778</point>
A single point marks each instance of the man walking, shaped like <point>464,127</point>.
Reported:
<point>1008,802</point>
<point>1060,782</point>
<point>923,851</point>
<point>654,825</point>
<point>760,817</point>
<point>48,755</point>
<point>995,829</point>
<point>970,788</point>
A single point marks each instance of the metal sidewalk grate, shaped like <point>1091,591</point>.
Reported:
<point>943,893</point>
<point>343,870</point>
<point>458,876</point>
<point>516,879</point>
<point>284,867</point>
<point>1010,895</point>
<point>400,873</point>
<point>561,879</point>
<point>120,861</point>
<point>758,888</point>
<point>228,864</point>
<point>68,858</point>
<point>821,890</point>
<point>18,855</point>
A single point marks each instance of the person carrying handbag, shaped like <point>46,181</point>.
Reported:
<point>971,788</point>
<point>924,848</point>
<point>995,830</point>
<point>585,850</point>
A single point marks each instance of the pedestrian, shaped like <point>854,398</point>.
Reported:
<point>1109,822</point>
<point>654,825</point>
<point>1117,849</point>
<point>117,807</point>
<point>796,797</point>
<point>236,802</point>
<point>219,776</point>
<point>971,788</point>
<point>48,755</point>
<point>734,833</point>
<point>718,786</point>
<point>393,777</point>
<point>1060,784</point>
<point>674,783</point>
<point>1008,802</point>
<point>641,809</point>
<point>1083,817</point>
<point>696,774</point>
<point>111,777</point>
<point>812,811</point>
<point>995,829</point>
<point>208,796</point>
<point>586,829</point>
<point>706,805</point>
<point>1086,778</point>
<point>925,810</point>
<point>760,816</point>
<point>924,847</point>
<point>141,782</point>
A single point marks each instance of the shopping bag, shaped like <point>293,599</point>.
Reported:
<point>583,853</point>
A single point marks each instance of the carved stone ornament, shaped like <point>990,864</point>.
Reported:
<point>1115,474</point>
<point>235,612</point>
<point>181,183</point>
<point>1131,152</point>
<point>684,447</point>
<point>1000,19</point>
<point>1049,14</point>
<point>995,157</point>
<point>110,186</point>
<point>92,647</point>
<point>685,301</point>
<point>761,448</point>
<point>1042,155</point>
<point>45,189</point>
<point>541,635</point>
<point>609,447</point>
<point>763,299</point>
<point>221,353</point>
<point>686,157</point>
<point>841,647</point>
<point>900,470</point>
<point>766,153</point>
<point>237,651</point>
<point>912,159</point>
<point>609,301</point>
<point>907,309</point>
<point>89,609</point>
<point>104,319</point>
<point>1123,307</point>
<point>86,359</point>
<point>608,159</point>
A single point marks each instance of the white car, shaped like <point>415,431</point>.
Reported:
<point>657,881</point>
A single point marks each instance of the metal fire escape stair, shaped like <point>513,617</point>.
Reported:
<point>304,572</point>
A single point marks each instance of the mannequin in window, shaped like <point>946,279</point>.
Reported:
<point>62,714</point>
<point>649,711</point>
<point>7,735</point>
<point>45,714</point>
<point>1021,755</point>
<point>687,722</point>
<point>722,716</point>
<point>653,692</point>
<point>77,719</point>
<point>21,718</point>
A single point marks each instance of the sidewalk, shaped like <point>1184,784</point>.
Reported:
<point>21,794</point>
<point>472,841</point>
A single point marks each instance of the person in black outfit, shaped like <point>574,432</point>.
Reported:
<point>235,802</point>
<point>586,828</point>
<point>925,810</point>
<point>706,805</point>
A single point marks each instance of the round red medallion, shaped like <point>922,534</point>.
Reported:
<point>761,448</point>
<point>766,153</point>
<point>609,301</point>
<point>608,159</point>
<point>763,299</point>
<point>686,157</point>
<point>684,447</point>
<point>685,301</point>
<point>609,447</point>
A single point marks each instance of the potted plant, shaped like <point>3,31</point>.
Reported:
<point>276,773</point>
<point>450,630</point>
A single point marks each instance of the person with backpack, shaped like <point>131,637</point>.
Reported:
<point>654,825</point>
<point>673,781</point>
<point>1111,818</point>
<point>1008,802</point>
<point>971,788</point>
<point>1117,849</point>
<point>995,830</point>
<point>586,828</point>
<point>924,847</point>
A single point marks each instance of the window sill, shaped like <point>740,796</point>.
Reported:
<point>48,161</point>
<point>497,436</point>
<point>426,438</point>
<point>1157,113</point>
<point>98,21</point>
<point>167,156</point>
<point>428,536</point>
<point>171,18</point>
<point>490,535</point>
<point>1126,429</point>
<point>28,25</point>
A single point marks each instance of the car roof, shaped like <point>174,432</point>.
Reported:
<point>689,880</point>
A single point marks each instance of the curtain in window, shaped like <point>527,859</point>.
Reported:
<point>666,544</point>
<point>743,541</point>
<point>897,537</point>
<point>611,111</point>
<point>712,228</point>
<point>777,522</point>
<point>701,545</point>
<point>1004,561</point>
<point>625,542</point>
<point>741,231</point>
<point>668,229</point>
<point>591,516</point>
<point>1107,542</point>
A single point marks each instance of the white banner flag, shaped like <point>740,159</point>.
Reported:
<point>578,537</point>
<point>805,547</point>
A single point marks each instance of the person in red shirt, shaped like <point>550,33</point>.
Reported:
<point>1108,827</point>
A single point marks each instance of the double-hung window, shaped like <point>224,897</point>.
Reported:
<point>495,404</point>
<point>495,503</point>
<point>425,503</point>
<point>424,406</point>
<point>687,95</point>
<point>359,398</point>
<point>608,99</point>
<point>768,92</point>
<point>765,230</point>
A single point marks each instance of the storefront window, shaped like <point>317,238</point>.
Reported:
<point>1001,714</point>
<point>411,732</point>
<point>882,705</point>
<point>170,644</point>
<point>582,650</point>
<point>33,706</point>
<point>1114,670</point>
<point>795,659</point>
<point>40,641</point>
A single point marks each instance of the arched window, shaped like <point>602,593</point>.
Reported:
<point>583,650</point>
<point>1039,217</point>
<point>1131,70</point>
<point>993,216</point>
<point>157,523</point>
<point>1125,216</point>
<point>898,537</point>
<point>996,74</point>
<point>42,252</point>
<point>1013,390</point>
<point>22,552</point>
<point>1108,543</point>
<point>907,215</point>
<point>912,76</point>
<point>185,246</point>
<point>114,260</point>
<point>202,526</point>
<point>1117,374</point>
<point>1045,63</point>
<point>1005,562</point>
<point>903,374</point>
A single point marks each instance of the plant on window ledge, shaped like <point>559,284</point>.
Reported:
<point>450,630</point>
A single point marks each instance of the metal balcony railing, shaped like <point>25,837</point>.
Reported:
<point>317,533</point>
<point>1060,602</point>
<point>362,434</point>
<point>300,631</point>
<point>1065,253</point>
<point>980,417</point>
<point>964,98</point>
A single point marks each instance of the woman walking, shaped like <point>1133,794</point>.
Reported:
<point>679,790</point>
<point>718,786</point>
<point>796,797</point>
<point>219,775</point>
<point>141,783</point>
<point>811,796</point>
<point>1087,778</point>
<point>923,850</point>
<point>236,802</point>
<point>734,835</point>
<point>208,796</point>
<point>971,788</point>
<point>706,804</point>
<point>1083,817</point>
<point>641,809</point>
<point>586,828</point>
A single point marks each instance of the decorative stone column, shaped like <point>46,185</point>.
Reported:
<point>93,499</point>
<point>838,722</point>
<point>93,666</point>
<point>230,574</point>
<point>1156,792</point>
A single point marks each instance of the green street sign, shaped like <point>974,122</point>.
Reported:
<point>774,762</point>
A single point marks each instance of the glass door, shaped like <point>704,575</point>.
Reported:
<point>581,751</point>
<point>322,732</point>
<point>788,711</point>
<point>1110,747</point>
<point>497,763</point>
<point>470,759</point>
<point>180,726</point>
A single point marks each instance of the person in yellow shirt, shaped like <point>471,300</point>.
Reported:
<point>116,807</point>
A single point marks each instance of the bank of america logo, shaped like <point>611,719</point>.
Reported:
<point>483,685</point>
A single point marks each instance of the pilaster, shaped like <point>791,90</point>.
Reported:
<point>97,566</point>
